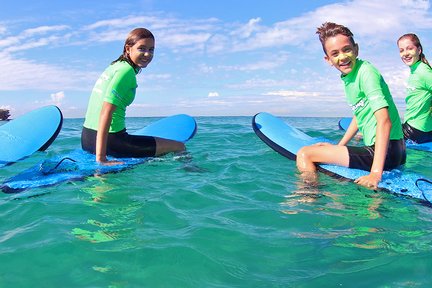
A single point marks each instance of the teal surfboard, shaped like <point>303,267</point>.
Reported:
<point>287,140</point>
<point>78,164</point>
<point>346,121</point>
<point>31,132</point>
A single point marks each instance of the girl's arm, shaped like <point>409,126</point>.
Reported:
<point>350,133</point>
<point>381,144</point>
<point>103,129</point>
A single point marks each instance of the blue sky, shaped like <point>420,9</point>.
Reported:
<point>212,58</point>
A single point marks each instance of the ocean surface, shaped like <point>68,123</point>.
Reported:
<point>230,212</point>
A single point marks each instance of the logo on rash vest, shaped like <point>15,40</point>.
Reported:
<point>359,104</point>
<point>411,88</point>
<point>117,95</point>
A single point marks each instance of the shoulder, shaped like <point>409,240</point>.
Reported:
<point>366,66</point>
<point>369,73</point>
<point>424,68</point>
<point>423,73</point>
<point>123,71</point>
<point>122,66</point>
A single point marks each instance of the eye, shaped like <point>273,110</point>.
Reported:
<point>347,49</point>
<point>334,54</point>
<point>145,50</point>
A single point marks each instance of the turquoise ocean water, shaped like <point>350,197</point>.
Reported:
<point>229,213</point>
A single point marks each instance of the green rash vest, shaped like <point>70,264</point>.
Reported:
<point>418,112</point>
<point>367,93</point>
<point>117,85</point>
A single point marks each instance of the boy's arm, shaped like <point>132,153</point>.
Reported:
<point>350,132</point>
<point>381,144</point>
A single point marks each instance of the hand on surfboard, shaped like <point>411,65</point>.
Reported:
<point>369,181</point>
<point>110,163</point>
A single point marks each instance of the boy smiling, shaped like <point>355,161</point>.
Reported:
<point>375,114</point>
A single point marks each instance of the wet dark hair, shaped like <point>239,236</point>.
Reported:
<point>416,41</point>
<point>133,37</point>
<point>330,29</point>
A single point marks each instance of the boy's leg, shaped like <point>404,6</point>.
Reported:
<point>321,153</point>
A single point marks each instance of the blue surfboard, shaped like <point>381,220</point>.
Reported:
<point>79,164</point>
<point>31,132</point>
<point>427,146</point>
<point>287,140</point>
<point>344,123</point>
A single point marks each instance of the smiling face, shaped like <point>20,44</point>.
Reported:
<point>141,53</point>
<point>341,53</point>
<point>408,51</point>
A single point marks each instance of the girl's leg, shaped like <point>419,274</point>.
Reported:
<point>122,144</point>
<point>164,146</point>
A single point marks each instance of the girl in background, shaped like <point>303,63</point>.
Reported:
<point>417,124</point>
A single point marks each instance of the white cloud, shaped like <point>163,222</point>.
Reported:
<point>29,38</point>
<point>256,82</point>
<point>163,76</point>
<point>22,74</point>
<point>247,30</point>
<point>122,22</point>
<point>267,64</point>
<point>57,98</point>
<point>32,44</point>
<point>213,94</point>
<point>169,32</point>
<point>140,105</point>
<point>43,30</point>
<point>295,94</point>
<point>217,43</point>
<point>377,20</point>
<point>8,41</point>
<point>204,68</point>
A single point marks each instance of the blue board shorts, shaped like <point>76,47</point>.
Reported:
<point>120,144</point>
<point>416,135</point>
<point>362,157</point>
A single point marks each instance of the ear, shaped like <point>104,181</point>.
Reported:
<point>356,49</point>
<point>127,49</point>
<point>327,59</point>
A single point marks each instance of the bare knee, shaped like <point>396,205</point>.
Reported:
<point>303,160</point>
<point>303,153</point>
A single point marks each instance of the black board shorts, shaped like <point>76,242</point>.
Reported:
<point>120,144</point>
<point>362,157</point>
<point>416,135</point>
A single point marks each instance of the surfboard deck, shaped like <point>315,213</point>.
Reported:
<point>31,132</point>
<point>346,121</point>
<point>287,140</point>
<point>79,164</point>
